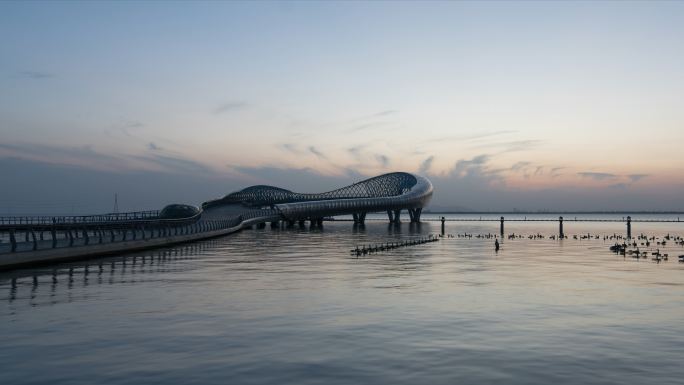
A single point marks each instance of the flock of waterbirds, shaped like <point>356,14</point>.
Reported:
<point>639,247</point>
<point>370,249</point>
<point>633,247</point>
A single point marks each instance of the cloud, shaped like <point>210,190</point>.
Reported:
<point>367,126</point>
<point>384,113</point>
<point>298,179</point>
<point>355,151</point>
<point>125,127</point>
<point>636,177</point>
<point>86,157</point>
<point>520,166</point>
<point>315,151</point>
<point>597,175</point>
<point>36,75</point>
<point>176,164</point>
<point>80,156</point>
<point>426,164</point>
<point>290,147</point>
<point>512,146</point>
<point>619,186</point>
<point>465,138</point>
<point>230,107</point>
<point>465,165</point>
<point>554,173</point>
<point>383,160</point>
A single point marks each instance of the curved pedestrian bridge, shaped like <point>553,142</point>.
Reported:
<point>34,240</point>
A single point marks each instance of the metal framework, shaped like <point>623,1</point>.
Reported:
<point>389,192</point>
<point>387,185</point>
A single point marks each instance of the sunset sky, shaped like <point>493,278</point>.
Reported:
<point>503,105</point>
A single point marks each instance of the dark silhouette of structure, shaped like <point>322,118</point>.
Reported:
<point>71,237</point>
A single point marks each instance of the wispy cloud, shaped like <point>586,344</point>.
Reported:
<point>384,113</point>
<point>520,166</point>
<point>636,177</point>
<point>230,107</point>
<point>555,172</point>
<point>597,175</point>
<point>382,159</point>
<point>36,75</point>
<point>176,164</point>
<point>290,147</point>
<point>355,151</point>
<point>512,146</point>
<point>469,137</point>
<point>316,152</point>
<point>153,146</point>
<point>426,164</point>
<point>367,126</point>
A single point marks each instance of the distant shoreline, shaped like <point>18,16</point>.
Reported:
<point>552,212</point>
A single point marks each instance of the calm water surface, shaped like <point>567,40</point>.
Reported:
<point>294,307</point>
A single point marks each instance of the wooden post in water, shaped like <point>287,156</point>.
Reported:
<point>561,235</point>
<point>502,226</point>
<point>442,225</point>
<point>629,227</point>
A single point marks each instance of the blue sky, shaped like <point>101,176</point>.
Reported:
<point>533,105</point>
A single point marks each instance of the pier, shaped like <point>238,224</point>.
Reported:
<point>28,241</point>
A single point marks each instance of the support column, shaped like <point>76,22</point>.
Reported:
<point>443,225</point>
<point>415,214</point>
<point>629,227</point>
<point>35,241</point>
<point>13,240</point>
<point>390,215</point>
<point>53,234</point>
<point>502,227</point>
<point>561,234</point>
<point>397,216</point>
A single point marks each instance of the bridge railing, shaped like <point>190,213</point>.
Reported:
<point>79,219</point>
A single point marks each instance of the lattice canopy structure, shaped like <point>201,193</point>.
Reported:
<point>387,185</point>
<point>389,192</point>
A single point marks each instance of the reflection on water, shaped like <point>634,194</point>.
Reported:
<point>294,306</point>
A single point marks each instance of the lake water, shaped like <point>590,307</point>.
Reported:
<point>293,306</point>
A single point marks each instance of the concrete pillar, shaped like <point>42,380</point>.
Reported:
<point>561,234</point>
<point>13,240</point>
<point>35,241</point>
<point>415,214</point>
<point>397,216</point>
<point>501,230</point>
<point>443,219</point>
<point>390,214</point>
<point>629,227</point>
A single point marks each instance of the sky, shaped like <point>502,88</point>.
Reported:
<point>502,105</point>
